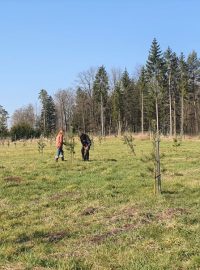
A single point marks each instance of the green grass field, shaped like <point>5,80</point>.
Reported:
<point>100,214</point>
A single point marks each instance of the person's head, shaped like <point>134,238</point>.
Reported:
<point>60,131</point>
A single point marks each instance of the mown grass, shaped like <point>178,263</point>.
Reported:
<point>100,214</point>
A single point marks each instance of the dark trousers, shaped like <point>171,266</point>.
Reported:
<point>85,151</point>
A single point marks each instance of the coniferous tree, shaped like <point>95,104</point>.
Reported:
<point>43,97</point>
<point>155,75</point>
<point>142,85</point>
<point>193,65</point>
<point>48,113</point>
<point>183,88</point>
<point>100,92</point>
<point>118,106</point>
<point>51,116</point>
<point>168,61</point>
<point>174,90</point>
<point>129,101</point>
<point>3,121</point>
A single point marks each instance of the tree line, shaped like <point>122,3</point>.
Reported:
<point>164,95</point>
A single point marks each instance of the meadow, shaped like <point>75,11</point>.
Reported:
<point>100,214</point>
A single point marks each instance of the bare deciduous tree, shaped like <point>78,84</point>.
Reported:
<point>114,77</point>
<point>24,115</point>
<point>85,82</point>
<point>64,100</point>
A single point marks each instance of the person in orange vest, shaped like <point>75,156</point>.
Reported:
<point>59,145</point>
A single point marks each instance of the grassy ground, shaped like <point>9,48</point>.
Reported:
<point>100,214</point>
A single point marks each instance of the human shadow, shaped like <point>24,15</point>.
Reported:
<point>169,192</point>
<point>108,159</point>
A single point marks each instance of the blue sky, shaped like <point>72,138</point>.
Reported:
<point>46,43</point>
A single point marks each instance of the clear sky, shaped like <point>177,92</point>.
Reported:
<point>44,44</point>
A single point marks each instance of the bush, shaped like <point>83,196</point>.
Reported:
<point>23,131</point>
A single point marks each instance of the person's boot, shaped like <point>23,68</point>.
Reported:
<point>56,159</point>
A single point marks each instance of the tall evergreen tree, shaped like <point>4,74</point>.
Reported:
<point>43,97</point>
<point>142,85</point>
<point>168,61</point>
<point>118,106</point>
<point>48,113</point>
<point>193,64</point>
<point>100,92</point>
<point>155,75</point>
<point>3,121</point>
<point>183,87</point>
<point>130,102</point>
<point>51,115</point>
<point>174,90</point>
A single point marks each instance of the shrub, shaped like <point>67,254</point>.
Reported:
<point>23,131</point>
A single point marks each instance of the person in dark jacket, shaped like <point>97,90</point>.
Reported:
<point>86,143</point>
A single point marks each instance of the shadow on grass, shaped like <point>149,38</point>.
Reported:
<point>51,236</point>
<point>108,159</point>
<point>169,192</point>
<point>13,179</point>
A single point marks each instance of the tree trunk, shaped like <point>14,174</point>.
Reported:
<point>83,119</point>
<point>102,118</point>
<point>174,101</point>
<point>142,112</point>
<point>44,122</point>
<point>110,124</point>
<point>157,169</point>
<point>65,119</point>
<point>119,128</point>
<point>170,108</point>
<point>157,117</point>
<point>182,114</point>
<point>195,118</point>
